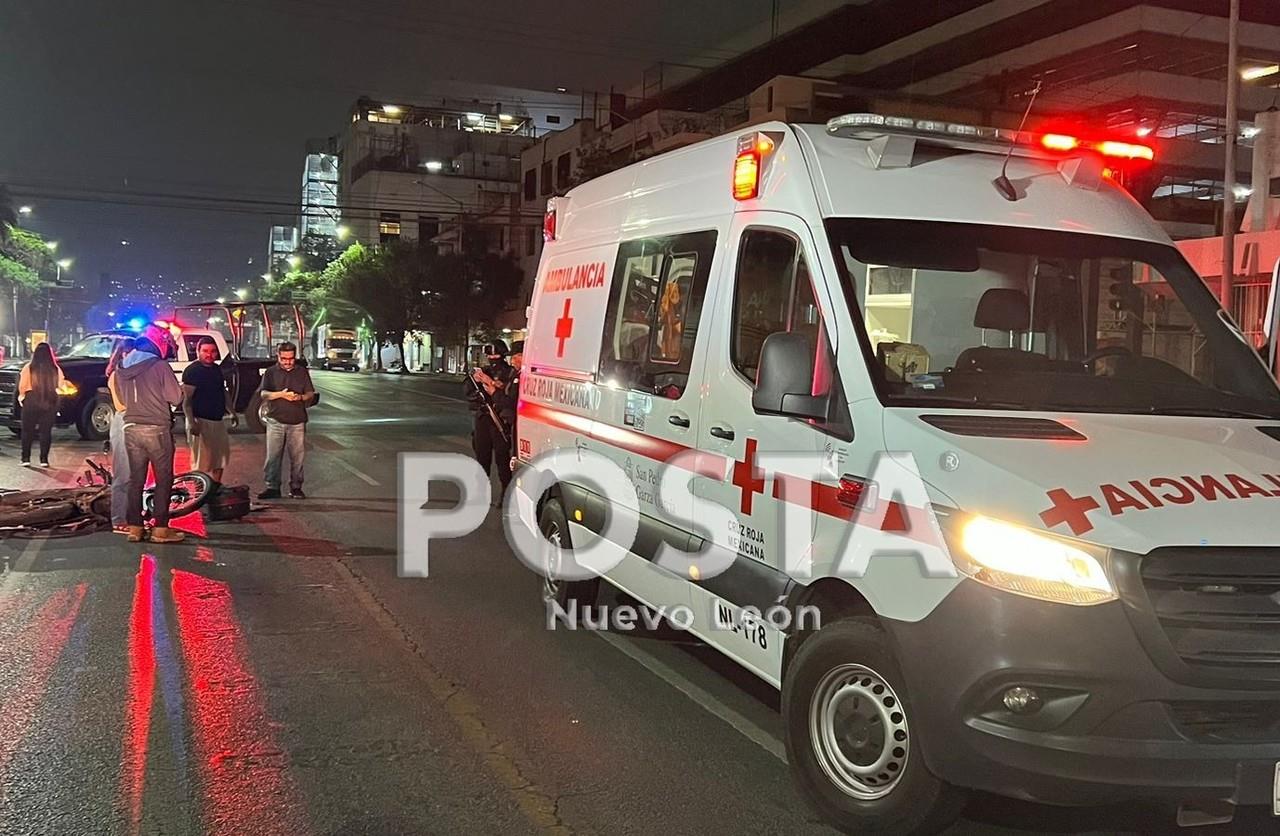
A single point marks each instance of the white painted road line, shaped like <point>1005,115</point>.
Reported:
<point>745,727</point>
<point>444,397</point>
<point>27,557</point>
<point>358,474</point>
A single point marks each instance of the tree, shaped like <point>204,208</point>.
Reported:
<point>388,283</point>
<point>318,252</point>
<point>26,267</point>
<point>467,292</point>
<point>8,214</point>
<point>25,260</point>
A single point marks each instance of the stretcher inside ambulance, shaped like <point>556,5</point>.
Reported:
<point>1097,441</point>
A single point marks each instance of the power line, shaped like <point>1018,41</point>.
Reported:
<point>265,208</point>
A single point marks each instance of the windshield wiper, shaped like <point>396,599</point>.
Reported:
<point>1216,411</point>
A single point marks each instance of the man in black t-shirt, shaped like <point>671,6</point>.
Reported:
<point>287,391</point>
<point>205,403</point>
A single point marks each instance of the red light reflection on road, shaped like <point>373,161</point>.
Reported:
<point>246,788</point>
<point>140,694</point>
<point>43,641</point>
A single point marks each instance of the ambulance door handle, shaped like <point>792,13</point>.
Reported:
<point>679,421</point>
<point>722,433</point>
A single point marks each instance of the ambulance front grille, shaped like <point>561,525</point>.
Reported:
<point>1241,721</point>
<point>1219,609</point>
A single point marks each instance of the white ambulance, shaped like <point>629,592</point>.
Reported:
<point>1097,442</point>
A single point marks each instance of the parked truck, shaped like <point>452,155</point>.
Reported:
<point>335,347</point>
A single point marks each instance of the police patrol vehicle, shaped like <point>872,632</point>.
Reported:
<point>1098,447</point>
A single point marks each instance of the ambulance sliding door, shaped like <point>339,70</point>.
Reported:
<point>649,404</point>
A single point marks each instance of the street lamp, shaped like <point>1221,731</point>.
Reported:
<point>221,300</point>
<point>242,293</point>
<point>342,232</point>
<point>24,210</point>
<point>52,246</point>
<point>61,264</point>
<point>294,261</point>
<point>266,277</point>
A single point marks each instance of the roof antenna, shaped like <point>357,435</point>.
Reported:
<point>1002,184</point>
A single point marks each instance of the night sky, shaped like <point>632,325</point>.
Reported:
<point>217,99</point>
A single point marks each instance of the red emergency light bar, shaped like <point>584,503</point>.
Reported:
<point>872,123</point>
<point>1107,147</point>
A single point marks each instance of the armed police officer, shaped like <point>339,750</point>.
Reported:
<point>494,412</point>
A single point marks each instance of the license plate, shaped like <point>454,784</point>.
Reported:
<point>1275,792</point>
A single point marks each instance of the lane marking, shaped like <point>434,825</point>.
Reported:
<point>747,728</point>
<point>27,557</point>
<point>444,397</point>
<point>358,474</point>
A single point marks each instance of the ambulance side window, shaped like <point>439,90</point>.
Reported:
<point>767,267</point>
<point>774,293</point>
<point>652,320</point>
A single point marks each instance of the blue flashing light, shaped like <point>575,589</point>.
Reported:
<point>137,324</point>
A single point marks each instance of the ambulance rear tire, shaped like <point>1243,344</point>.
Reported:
<point>849,741</point>
<point>555,528</point>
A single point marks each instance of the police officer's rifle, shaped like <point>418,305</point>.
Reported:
<point>487,402</point>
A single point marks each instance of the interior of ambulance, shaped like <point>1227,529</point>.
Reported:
<point>972,315</point>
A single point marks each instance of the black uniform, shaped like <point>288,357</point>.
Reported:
<point>486,440</point>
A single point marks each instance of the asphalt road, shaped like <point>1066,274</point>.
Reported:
<point>274,675</point>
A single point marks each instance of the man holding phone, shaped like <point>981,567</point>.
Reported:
<point>287,391</point>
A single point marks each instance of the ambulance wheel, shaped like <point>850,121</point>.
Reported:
<point>847,716</point>
<point>555,528</point>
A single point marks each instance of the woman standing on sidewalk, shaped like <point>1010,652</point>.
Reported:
<point>38,386</point>
<point>119,456</point>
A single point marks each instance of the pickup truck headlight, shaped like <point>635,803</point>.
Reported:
<point>1028,562</point>
<point>67,388</point>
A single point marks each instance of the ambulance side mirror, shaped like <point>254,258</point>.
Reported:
<point>784,380</point>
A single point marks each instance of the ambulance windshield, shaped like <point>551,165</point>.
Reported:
<point>967,315</point>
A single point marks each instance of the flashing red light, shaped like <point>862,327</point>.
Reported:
<point>1106,147</point>
<point>1059,142</point>
<point>1128,150</point>
<point>549,225</point>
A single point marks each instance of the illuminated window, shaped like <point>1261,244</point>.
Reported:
<point>389,227</point>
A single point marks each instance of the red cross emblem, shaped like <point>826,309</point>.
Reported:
<point>748,477</point>
<point>1072,510</point>
<point>564,328</point>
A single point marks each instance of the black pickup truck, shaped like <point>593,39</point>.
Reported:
<point>86,403</point>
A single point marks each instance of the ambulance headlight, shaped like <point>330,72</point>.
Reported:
<point>1030,563</point>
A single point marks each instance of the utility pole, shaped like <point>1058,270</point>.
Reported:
<point>17,334</point>
<point>1229,175</point>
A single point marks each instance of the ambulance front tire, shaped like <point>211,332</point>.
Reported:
<point>555,528</point>
<point>847,716</point>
